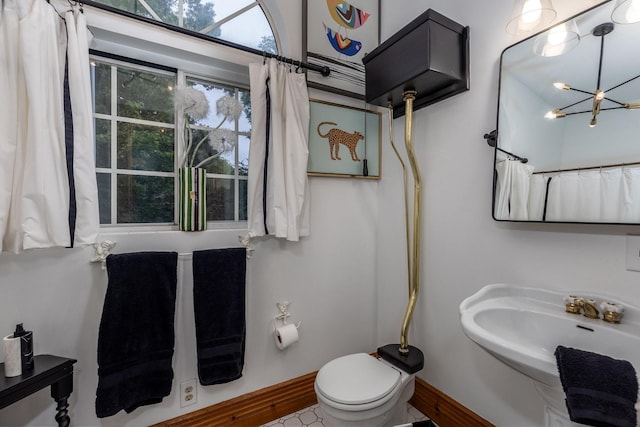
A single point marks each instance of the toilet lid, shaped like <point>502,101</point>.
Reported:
<point>356,379</point>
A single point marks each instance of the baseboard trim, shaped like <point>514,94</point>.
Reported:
<point>255,408</point>
<point>278,400</point>
<point>442,409</point>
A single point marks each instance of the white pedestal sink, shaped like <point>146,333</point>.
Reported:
<point>523,326</point>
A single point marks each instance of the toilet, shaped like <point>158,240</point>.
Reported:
<point>360,390</point>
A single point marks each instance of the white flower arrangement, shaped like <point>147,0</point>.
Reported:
<point>193,103</point>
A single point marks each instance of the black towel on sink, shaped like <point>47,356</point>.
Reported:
<point>136,333</point>
<point>219,308</point>
<point>600,391</point>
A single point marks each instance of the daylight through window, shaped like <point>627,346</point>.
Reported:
<point>136,142</point>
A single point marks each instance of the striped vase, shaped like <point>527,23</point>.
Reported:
<point>193,199</point>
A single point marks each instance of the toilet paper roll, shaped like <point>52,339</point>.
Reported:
<point>12,356</point>
<point>286,335</point>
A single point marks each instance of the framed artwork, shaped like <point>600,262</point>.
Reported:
<point>342,140</point>
<point>338,34</point>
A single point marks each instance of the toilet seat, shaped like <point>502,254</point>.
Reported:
<point>357,379</point>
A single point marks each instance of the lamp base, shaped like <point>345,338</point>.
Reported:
<point>411,362</point>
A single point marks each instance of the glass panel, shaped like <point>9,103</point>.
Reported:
<point>144,95</point>
<point>243,155</point>
<point>220,194</point>
<point>242,214</point>
<point>244,122</point>
<point>102,88</point>
<point>224,8</point>
<point>250,29</point>
<point>223,164</point>
<point>213,93</point>
<point>104,197</point>
<point>145,199</point>
<point>103,143</point>
<point>201,14</point>
<point>161,8</point>
<point>143,147</point>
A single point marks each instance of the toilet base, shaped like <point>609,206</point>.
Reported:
<point>411,362</point>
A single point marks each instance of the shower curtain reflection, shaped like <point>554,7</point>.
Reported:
<point>609,195</point>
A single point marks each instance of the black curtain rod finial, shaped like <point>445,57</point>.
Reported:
<point>492,137</point>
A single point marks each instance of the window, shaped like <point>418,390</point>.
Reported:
<point>136,144</point>
<point>242,22</point>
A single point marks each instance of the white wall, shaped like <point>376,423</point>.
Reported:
<point>347,282</point>
<point>329,279</point>
<point>463,248</point>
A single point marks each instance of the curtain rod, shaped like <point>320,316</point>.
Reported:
<point>325,71</point>
<point>491,141</point>
<point>615,165</point>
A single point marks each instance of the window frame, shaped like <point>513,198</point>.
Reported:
<point>196,34</point>
<point>117,35</point>
<point>181,77</point>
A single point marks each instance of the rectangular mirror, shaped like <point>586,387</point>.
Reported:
<point>567,147</point>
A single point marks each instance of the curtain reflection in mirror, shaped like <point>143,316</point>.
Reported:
<point>608,195</point>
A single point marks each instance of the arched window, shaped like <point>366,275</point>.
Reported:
<point>242,22</point>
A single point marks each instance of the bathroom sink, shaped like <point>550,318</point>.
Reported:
<point>523,326</point>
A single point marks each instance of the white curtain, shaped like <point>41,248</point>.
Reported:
<point>278,197</point>
<point>513,190</point>
<point>34,187</point>
<point>87,222</point>
<point>607,195</point>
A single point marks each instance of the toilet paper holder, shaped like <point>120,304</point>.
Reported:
<point>283,309</point>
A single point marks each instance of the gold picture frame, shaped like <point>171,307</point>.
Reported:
<point>342,139</point>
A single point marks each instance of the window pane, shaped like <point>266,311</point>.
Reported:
<point>145,199</point>
<point>220,194</point>
<point>243,155</point>
<point>102,86</point>
<point>242,214</point>
<point>212,93</point>
<point>103,143</point>
<point>144,95</point>
<point>250,29</point>
<point>223,164</point>
<point>147,148</point>
<point>104,197</point>
<point>244,122</point>
<point>201,14</point>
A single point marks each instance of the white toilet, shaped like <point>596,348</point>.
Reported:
<point>361,390</point>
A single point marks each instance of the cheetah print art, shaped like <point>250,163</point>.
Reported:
<point>337,136</point>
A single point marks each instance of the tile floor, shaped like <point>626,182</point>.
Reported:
<point>311,417</point>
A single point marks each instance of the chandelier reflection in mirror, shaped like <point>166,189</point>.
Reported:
<point>598,96</point>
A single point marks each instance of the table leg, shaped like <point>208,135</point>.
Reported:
<point>61,391</point>
<point>62,416</point>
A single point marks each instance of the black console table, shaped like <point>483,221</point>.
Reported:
<point>48,370</point>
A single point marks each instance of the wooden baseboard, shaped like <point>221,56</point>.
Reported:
<point>270,403</point>
<point>442,409</point>
<point>253,409</point>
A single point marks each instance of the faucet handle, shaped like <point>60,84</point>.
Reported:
<point>589,308</point>
<point>573,304</point>
<point>612,312</point>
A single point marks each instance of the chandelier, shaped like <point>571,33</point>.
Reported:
<point>598,96</point>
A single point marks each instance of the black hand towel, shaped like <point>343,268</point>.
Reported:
<point>219,308</point>
<point>600,391</point>
<point>136,335</point>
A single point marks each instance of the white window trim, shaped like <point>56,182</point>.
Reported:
<point>123,36</point>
